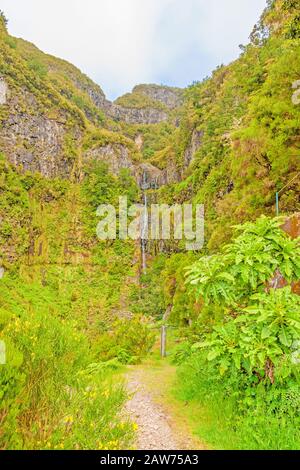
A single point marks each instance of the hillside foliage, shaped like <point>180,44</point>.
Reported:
<point>74,310</point>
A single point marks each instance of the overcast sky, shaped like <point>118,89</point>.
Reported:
<point>120,43</point>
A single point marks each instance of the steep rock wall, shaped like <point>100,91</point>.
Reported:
<point>128,115</point>
<point>32,140</point>
<point>196,141</point>
<point>136,115</point>
<point>3,91</point>
<point>169,96</point>
<point>116,156</point>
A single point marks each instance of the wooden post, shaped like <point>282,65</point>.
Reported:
<point>163,341</point>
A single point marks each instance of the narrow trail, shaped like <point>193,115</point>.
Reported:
<point>159,425</point>
<point>154,431</point>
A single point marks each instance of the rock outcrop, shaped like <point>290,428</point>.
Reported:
<point>195,144</point>
<point>149,176</point>
<point>139,141</point>
<point>33,141</point>
<point>3,91</point>
<point>128,115</point>
<point>136,115</point>
<point>116,156</point>
<point>169,96</point>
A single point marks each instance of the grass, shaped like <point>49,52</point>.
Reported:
<point>205,420</point>
<point>266,422</point>
<point>53,396</point>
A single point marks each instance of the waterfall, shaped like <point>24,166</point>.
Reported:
<point>144,225</point>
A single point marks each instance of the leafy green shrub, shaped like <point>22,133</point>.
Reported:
<point>129,341</point>
<point>259,327</point>
<point>248,360</point>
<point>150,300</point>
<point>181,353</point>
<point>52,396</point>
<point>259,340</point>
<point>235,415</point>
<point>37,67</point>
<point>245,265</point>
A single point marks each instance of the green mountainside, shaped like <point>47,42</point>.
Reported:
<point>72,308</point>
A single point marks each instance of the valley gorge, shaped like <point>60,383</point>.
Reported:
<point>74,309</point>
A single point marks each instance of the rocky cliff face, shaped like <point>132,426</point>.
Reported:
<point>32,140</point>
<point>3,91</point>
<point>154,108</point>
<point>171,97</point>
<point>48,108</point>
<point>116,156</point>
<point>195,144</point>
<point>148,114</point>
<point>36,144</point>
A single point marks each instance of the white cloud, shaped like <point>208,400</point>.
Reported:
<point>120,43</point>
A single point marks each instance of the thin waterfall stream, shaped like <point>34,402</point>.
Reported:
<point>144,236</point>
<point>144,225</point>
<point>148,183</point>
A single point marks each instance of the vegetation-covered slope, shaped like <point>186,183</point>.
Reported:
<point>61,290</point>
<point>241,128</point>
<point>60,294</point>
<point>248,127</point>
<point>239,360</point>
<point>71,306</point>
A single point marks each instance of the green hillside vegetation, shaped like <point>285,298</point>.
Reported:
<point>250,143</point>
<point>53,314</point>
<point>64,77</point>
<point>139,101</point>
<point>74,311</point>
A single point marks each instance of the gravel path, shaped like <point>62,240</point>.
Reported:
<point>155,430</point>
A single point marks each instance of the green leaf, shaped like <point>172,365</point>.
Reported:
<point>213,354</point>
<point>285,338</point>
<point>265,332</point>
<point>226,276</point>
<point>197,346</point>
<point>223,367</point>
<point>237,360</point>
